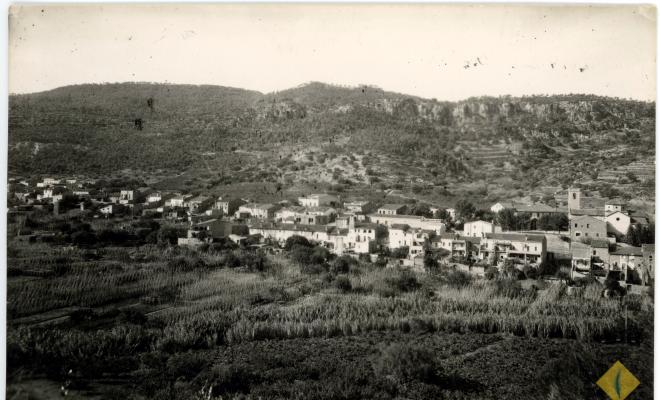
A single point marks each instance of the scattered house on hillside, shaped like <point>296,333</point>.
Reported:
<point>537,210</point>
<point>358,206</point>
<point>600,252</point>
<point>452,213</point>
<point>404,236</point>
<point>455,244</point>
<point>614,205</point>
<point>626,258</point>
<point>586,227</point>
<point>392,209</point>
<point>281,232</point>
<point>306,215</point>
<point>175,214</point>
<point>480,228</point>
<point>414,221</point>
<point>528,249</point>
<point>257,210</point>
<point>154,197</point>
<point>501,205</point>
<point>126,196</point>
<point>178,200</point>
<point>229,206</point>
<point>580,259</point>
<point>198,203</point>
<point>317,200</point>
<point>361,238</point>
<point>214,228</point>
<point>238,239</point>
<point>617,223</point>
<point>112,209</point>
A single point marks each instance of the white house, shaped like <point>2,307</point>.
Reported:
<point>154,197</point>
<point>480,228</point>
<point>392,209</point>
<point>618,222</point>
<point>499,206</point>
<point>317,200</point>
<point>256,210</point>
<point>414,221</point>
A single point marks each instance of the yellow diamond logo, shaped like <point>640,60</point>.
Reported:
<point>618,382</point>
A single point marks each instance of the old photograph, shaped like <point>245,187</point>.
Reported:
<point>330,201</point>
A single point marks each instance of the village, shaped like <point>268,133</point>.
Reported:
<point>590,236</point>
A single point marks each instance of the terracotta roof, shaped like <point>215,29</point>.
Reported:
<point>392,207</point>
<point>627,251</point>
<point>516,236</point>
<point>587,211</point>
<point>600,244</point>
<point>536,208</point>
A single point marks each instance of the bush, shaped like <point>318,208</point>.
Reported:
<point>530,272</point>
<point>341,265</point>
<point>406,281</point>
<point>343,283</point>
<point>405,363</point>
<point>458,279</point>
<point>491,273</point>
<point>296,240</point>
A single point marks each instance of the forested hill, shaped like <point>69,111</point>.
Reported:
<point>99,129</point>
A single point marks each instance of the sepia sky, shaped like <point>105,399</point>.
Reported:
<point>415,49</point>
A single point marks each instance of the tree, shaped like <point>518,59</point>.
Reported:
<point>465,210</point>
<point>553,222</point>
<point>296,240</point>
<point>422,210</point>
<point>507,219</point>
<point>430,262</point>
<point>382,232</point>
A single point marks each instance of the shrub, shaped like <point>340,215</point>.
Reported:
<point>491,273</point>
<point>296,240</point>
<point>458,279</point>
<point>341,265</point>
<point>405,363</point>
<point>343,283</point>
<point>406,281</point>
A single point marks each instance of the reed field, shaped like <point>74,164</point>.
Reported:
<point>168,322</point>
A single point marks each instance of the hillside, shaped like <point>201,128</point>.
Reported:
<point>333,134</point>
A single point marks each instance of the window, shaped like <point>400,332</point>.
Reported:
<point>576,225</point>
<point>597,234</point>
<point>594,252</point>
<point>617,218</point>
<point>574,196</point>
<point>577,234</point>
<point>587,225</point>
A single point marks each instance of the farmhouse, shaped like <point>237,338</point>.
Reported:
<point>256,210</point>
<point>392,209</point>
<point>526,248</point>
<point>414,221</point>
<point>499,206</point>
<point>317,200</point>
<point>228,206</point>
<point>358,206</point>
<point>587,227</point>
<point>480,228</point>
<point>618,223</point>
<point>456,245</point>
<point>281,232</point>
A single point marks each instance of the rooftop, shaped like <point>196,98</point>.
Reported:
<point>392,207</point>
<point>516,236</point>
<point>627,251</point>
